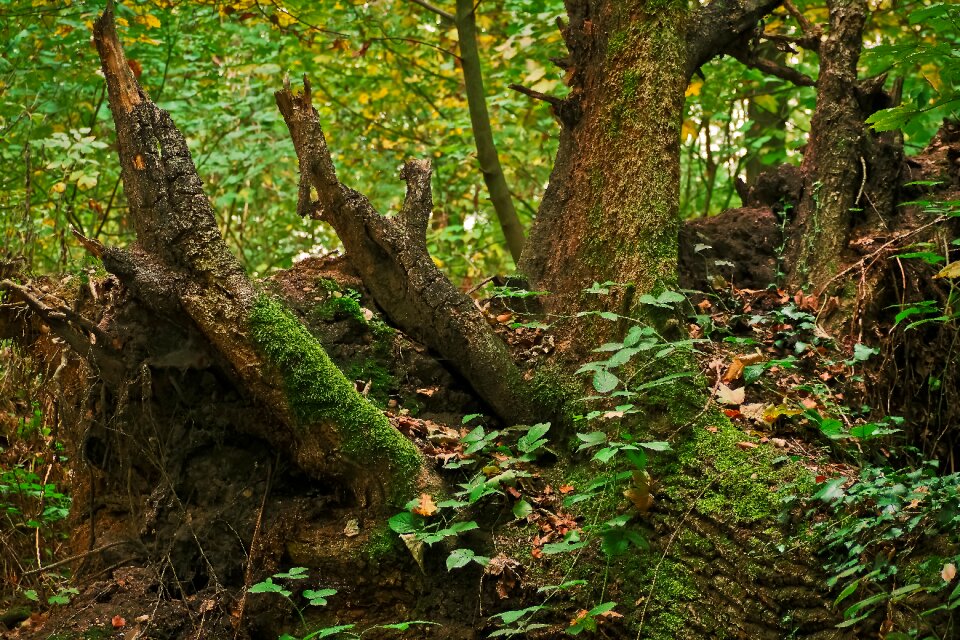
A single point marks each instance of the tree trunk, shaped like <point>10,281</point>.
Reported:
<point>611,210</point>
<point>181,268</point>
<point>850,173</point>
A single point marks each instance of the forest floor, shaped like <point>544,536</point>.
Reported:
<point>764,361</point>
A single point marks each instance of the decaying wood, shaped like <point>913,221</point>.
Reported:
<point>181,268</point>
<point>391,257</point>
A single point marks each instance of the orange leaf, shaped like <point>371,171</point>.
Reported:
<point>949,572</point>
<point>747,445</point>
<point>567,488</point>
<point>118,622</point>
<point>427,506</point>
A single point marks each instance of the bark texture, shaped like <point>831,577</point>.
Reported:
<point>391,257</point>
<point>850,173</point>
<point>181,269</point>
<point>610,212</point>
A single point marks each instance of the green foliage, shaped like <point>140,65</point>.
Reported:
<point>926,56</point>
<point>879,539</point>
<point>387,84</point>
<point>318,598</point>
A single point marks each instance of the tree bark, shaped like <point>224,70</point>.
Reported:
<point>611,210</point>
<point>851,174</point>
<point>181,268</point>
<point>391,257</point>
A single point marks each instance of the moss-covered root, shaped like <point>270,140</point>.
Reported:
<point>330,414</point>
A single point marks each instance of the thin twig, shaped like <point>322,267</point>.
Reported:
<point>78,556</point>
<point>248,574</point>
<point>446,15</point>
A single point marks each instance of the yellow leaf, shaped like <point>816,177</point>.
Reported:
<point>688,131</point>
<point>693,89</point>
<point>60,187</point>
<point>63,30</point>
<point>426,506</point>
<point>149,21</point>
<point>952,270</point>
<point>766,102</point>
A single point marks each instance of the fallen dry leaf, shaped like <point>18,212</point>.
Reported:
<point>949,572</point>
<point>726,395</point>
<point>426,506</point>
<point>118,622</point>
<point>734,371</point>
<point>747,445</point>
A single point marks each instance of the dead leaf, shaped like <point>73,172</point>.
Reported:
<point>734,371</point>
<point>952,270</point>
<point>949,572</point>
<point>426,506</point>
<point>352,529</point>
<point>567,488</point>
<point>726,395</point>
<point>118,622</point>
<point>751,358</point>
<point>753,411</point>
<point>747,445</point>
<point>415,547</point>
<point>504,318</point>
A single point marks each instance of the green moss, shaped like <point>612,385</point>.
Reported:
<point>374,372</point>
<point>557,392</point>
<point>337,306</point>
<point>381,543</point>
<point>319,393</point>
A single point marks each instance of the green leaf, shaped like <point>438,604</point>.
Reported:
<point>509,617</point>
<point>269,586</point>
<point>406,522</point>
<point>459,558</point>
<point>319,597</point>
<point>522,509</point>
<point>571,542</point>
<point>655,446</point>
<point>294,573</point>
<point>604,381</point>
<point>591,439</point>
<point>329,631</point>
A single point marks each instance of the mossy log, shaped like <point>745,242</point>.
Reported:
<point>181,268</point>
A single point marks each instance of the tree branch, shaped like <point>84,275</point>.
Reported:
<point>770,67</point>
<point>719,24</point>
<point>434,9</point>
<point>391,256</point>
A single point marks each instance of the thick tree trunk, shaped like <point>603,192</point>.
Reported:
<point>181,268</point>
<point>610,212</point>
<point>850,173</point>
